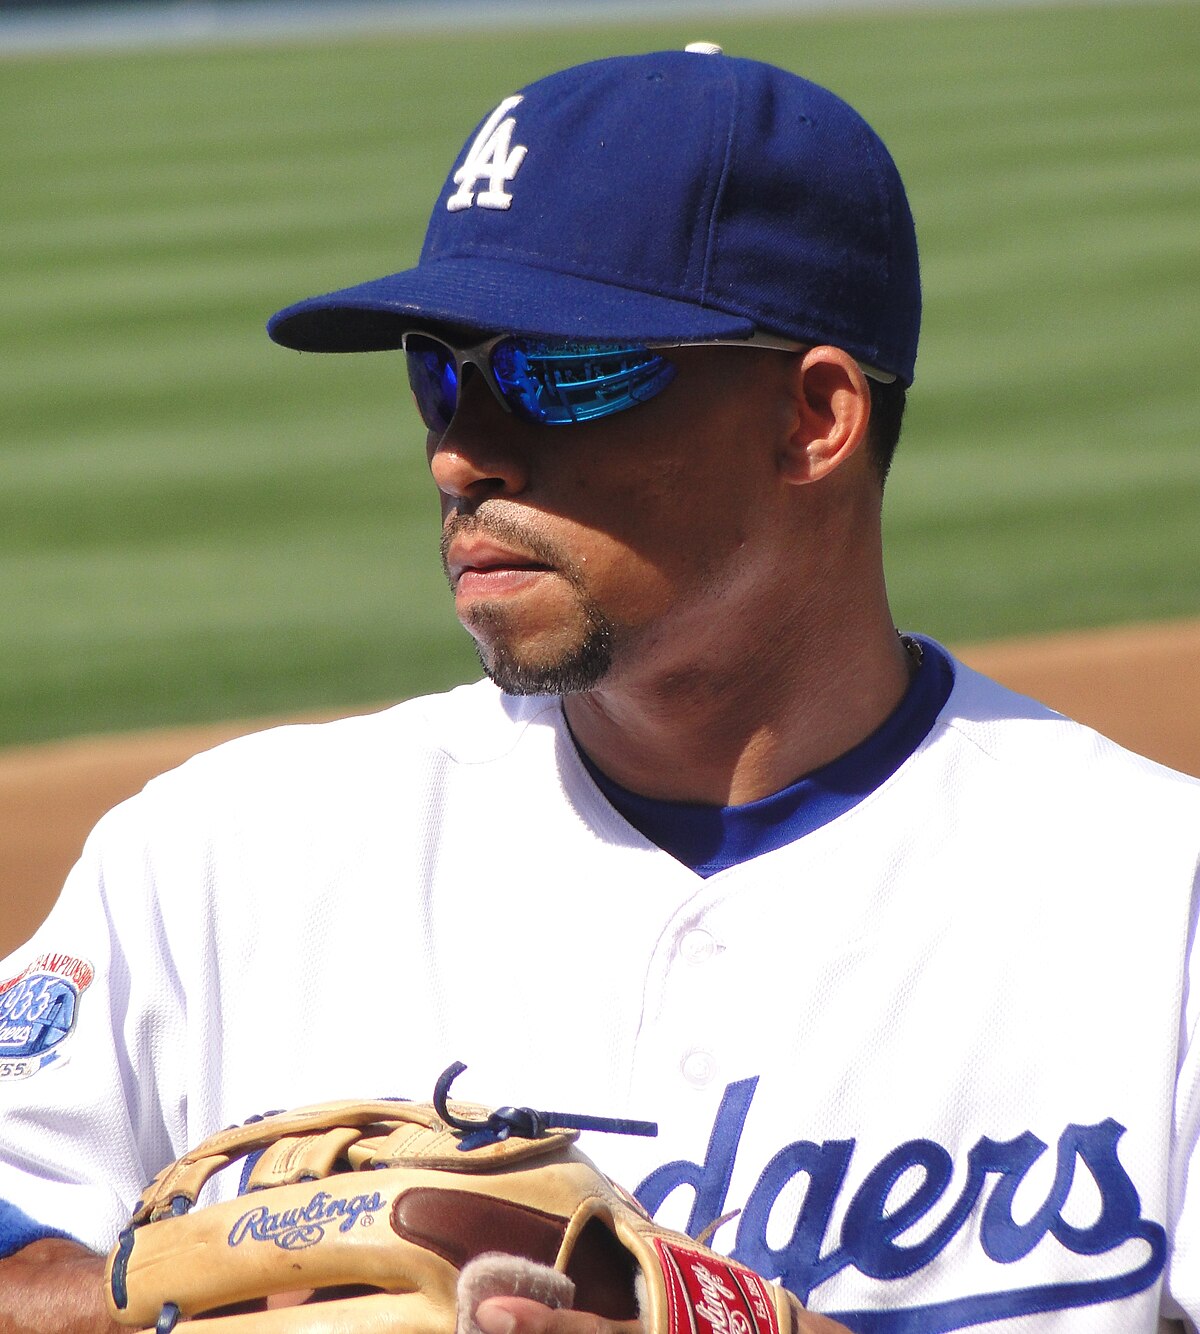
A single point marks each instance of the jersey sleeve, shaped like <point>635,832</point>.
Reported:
<point>1182,1279</point>
<point>92,1029</point>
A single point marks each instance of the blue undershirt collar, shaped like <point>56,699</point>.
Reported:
<point>713,838</point>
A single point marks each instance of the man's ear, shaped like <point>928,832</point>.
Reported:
<point>831,408</point>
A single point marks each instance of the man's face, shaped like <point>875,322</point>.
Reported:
<point>617,548</point>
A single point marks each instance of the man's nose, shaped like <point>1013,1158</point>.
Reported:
<point>480,454</point>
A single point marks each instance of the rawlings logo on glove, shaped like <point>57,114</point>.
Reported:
<point>298,1228</point>
<point>460,1205</point>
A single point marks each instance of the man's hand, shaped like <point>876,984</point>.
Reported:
<point>53,1287</point>
<point>517,1315</point>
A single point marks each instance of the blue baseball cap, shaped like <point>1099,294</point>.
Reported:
<point>677,196</point>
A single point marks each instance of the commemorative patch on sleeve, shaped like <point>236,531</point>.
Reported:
<point>38,1009</point>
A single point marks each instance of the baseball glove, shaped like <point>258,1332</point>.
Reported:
<point>396,1216</point>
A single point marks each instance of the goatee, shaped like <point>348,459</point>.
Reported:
<point>577,667</point>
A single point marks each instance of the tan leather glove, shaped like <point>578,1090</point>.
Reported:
<point>373,1209</point>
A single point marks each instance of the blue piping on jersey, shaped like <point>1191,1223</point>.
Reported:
<point>18,1230</point>
<point>709,839</point>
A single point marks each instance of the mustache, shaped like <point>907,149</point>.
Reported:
<point>504,529</point>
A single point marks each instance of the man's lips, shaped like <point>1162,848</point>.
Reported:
<point>482,559</point>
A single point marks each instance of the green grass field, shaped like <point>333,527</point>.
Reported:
<point>196,524</point>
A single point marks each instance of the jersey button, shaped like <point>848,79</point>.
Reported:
<point>697,946</point>
<point>698,1067</point>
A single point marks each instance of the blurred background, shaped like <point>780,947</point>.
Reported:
<point>196,525</point>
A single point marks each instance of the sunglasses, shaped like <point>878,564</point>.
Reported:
<point>552,382</point>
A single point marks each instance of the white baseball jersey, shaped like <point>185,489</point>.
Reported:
<point>939,1051</point>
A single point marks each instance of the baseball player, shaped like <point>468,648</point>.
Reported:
<point>901,963</point>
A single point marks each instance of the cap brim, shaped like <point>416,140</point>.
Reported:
<point>492,296</point>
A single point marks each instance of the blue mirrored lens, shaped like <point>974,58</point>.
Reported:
<point>557,383</point>
<point>433,376</point>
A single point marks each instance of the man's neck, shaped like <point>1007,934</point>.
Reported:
<point>737,734</point>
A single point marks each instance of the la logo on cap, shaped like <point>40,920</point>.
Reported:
<point>493,157</point>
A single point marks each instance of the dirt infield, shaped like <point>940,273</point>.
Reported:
<point>1138,684</point>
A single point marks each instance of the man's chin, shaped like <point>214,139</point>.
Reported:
<point>575,671</point>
